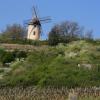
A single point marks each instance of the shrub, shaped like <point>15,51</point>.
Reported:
<point>7,58</point>
<point>19,54</point>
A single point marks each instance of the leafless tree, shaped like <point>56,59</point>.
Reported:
<point>64,32</point>
<point>14,31</point>
<point>89,35</point>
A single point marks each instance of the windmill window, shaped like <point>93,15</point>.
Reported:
<point>34,33</point>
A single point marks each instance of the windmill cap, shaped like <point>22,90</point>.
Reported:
<point>34,21</point>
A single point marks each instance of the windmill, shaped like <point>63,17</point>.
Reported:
<point>35,25</point>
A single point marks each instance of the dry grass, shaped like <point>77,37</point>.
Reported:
<point>33,93</point>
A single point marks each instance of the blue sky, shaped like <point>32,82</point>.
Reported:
<point>85,12</point>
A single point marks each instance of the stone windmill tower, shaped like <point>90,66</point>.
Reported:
<point>34,25</point>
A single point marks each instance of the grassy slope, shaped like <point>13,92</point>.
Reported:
<point>58,66</point>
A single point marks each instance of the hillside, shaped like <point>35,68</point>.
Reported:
<point>76,64</point>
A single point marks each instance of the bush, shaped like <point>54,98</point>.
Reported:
<point>19,54</point>
<point>2,52</point>
<point>7,58</point>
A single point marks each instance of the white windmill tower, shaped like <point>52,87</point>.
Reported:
<point>34,26</point>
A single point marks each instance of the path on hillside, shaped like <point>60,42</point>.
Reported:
<point>11,47</point>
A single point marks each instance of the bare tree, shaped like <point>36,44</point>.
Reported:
<point>14,31</point>
<point>54,36</point>
<point>64,32</point>
<point>89,35</point>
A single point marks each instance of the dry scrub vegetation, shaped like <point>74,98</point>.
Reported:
<point>33,93</point>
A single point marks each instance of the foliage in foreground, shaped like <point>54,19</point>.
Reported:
<point>58,66</point>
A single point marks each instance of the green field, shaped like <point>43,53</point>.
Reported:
<point>76,64</point>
